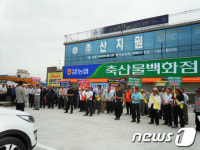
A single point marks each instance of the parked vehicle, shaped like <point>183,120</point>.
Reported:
<point>17,130</point>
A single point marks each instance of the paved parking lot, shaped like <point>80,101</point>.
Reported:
<point>60,131</point>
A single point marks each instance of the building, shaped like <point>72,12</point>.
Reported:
<point>153,48</point>
<point>50,69</point>
<point>21,73</point>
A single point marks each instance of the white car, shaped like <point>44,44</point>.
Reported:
<point>17,130</point>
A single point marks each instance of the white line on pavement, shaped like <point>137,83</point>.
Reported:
<point>44,147</point>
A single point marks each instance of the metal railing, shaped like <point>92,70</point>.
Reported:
<point>178,18</point>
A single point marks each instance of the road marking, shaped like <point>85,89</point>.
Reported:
<point>44,147</point>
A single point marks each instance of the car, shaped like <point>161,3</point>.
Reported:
<point>17,130</point>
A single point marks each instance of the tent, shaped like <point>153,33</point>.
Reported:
<point>43,83</point>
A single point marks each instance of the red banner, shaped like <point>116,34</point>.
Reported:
<point>84,84</point>
<point>36,80</point>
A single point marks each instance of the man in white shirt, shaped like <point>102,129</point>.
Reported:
<point>185,107</point>
<point>168,108</point>
<point>3,92</point>
<point>108,99</point>
<point>37,97</point>
<point>31,96</point>
<point>82,99</point>
<point>155,106</point>
<point>89,95</point>
<point>61,98</point>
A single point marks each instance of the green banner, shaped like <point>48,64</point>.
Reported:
<point>134,82</point>
<point>174,81</point>
<point>185,67</point>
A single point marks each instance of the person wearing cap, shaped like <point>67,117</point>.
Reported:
<point>20,97</point>
<point>185,107</point>
<point>178,108</point>
<point>118,96</point>
<point>162,96</point>
<point>37,97</point>
<point>128,101</point>
<point>168,108</point>
<point>197,109</point>
<point>108,99</point>
<point>135,101</point>
<point>89,95</point>
<point>3,92</point>
<point>155,106</point>
<point>70,94</point>
<point>143,101</point>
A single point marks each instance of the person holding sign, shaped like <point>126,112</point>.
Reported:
<point>197,109</point>
<point>118,102</point>
<point>178,108</point>
<point>168,108</point>
<point>135,100</point>
<point>155,106</point>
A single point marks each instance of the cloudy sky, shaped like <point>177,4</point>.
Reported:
<point>32,31</point>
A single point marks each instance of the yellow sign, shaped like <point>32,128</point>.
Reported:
<point>54,77</point>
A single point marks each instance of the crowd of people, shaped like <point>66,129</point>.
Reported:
<point>167,104</point>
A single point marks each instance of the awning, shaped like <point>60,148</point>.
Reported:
<point>191,79</point>
<point>43,83</point>
<point>144,80</point>
<point>150,80</point>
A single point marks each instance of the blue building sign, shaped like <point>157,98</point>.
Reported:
<point>183,41</point>
<point>79,71</point>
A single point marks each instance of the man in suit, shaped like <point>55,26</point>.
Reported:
<point>50,97</point>
<point>20,96</point>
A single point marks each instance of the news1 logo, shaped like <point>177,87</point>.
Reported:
<point>185,137</point>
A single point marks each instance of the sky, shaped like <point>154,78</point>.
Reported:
<point>32,31</point>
